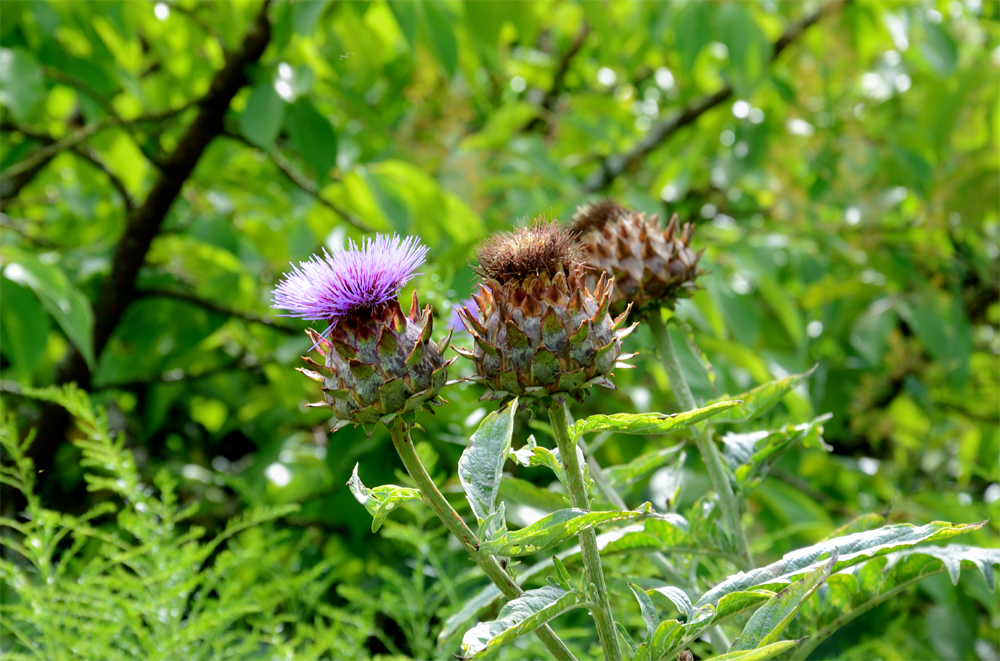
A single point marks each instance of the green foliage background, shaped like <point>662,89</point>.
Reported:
<point>845,194</point>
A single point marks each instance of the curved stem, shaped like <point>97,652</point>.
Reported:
<point>702,438</point>
<point>588,539</point>
<point>400,433</point>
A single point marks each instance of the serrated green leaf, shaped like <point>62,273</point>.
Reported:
<point>757,401</point>
<point>554,529</point>
<point>853,549</point>
<point>665,532</point>
<point>648,423</point>
<point>380,500</point>
<point>518,617</point>
<point>678,597</point>
<point>769,622</point>
<point>640,467</point>
<point>857,590</point>
<point>481,464</point>
<point>646,608</point>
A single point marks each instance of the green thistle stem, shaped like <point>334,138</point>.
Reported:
<point>702,438</point>
<point>588,540</point>
<point>400,433</point>
<point>658,560</point>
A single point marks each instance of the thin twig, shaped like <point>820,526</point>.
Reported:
<point>558,78</point>
<point>614,165</point>
<point>215,307</point>
<point>302,182</point>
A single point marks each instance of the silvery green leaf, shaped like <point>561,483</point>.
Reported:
<point>518,617</point>
<point>380,500</point>
<point>647,423</point>
<point>757,401</point>
<point>554,529</point>
<point>856,590</point>
<point>481,465</point>
<point>646,608</point>
<point>769,622</point>
<point>854,549</point>
<point>678,597</point>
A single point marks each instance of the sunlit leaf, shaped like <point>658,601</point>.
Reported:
<point>481,465</point>
<point>853,549</point>
<point>648,423</point>
<point>518,617</point>
<point>380,500</point>
<point>756,402</point>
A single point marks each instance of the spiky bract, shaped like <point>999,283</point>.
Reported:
<point>379,366</point>
<point>539,331</point>
<point>652,266</point>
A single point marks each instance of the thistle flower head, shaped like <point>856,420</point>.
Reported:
<point>652,265</point>
<point>378,362</point>
<point>537,330</point>
<point>542,247</point>
<point>349,280</point>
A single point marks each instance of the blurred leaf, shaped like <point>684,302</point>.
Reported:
<point>405,13</point>
<point>870,334</point>
<point>758,654</point>
<point>648,423</point>
<point>518,617</point>
<point>312,135</point>
<point>262,117</point>
<point>443,42</point>
<point>21,79</point>
<point>749,49</point>
<point>639,468</point>
<point>380,500</point>
<point>305,14</point>
<point>756,402</point>
<point>67,305</point>
<point>939,48</point>
<point>515,490</point>
<point>481,464</point>
<point>693,31</point>
<point>25,328</point>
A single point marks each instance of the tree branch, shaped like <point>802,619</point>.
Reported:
<point>302,182</point>
<point>614,165</point>
<point>215,307</point>
<point>549,102</point>
<point>143,223</point>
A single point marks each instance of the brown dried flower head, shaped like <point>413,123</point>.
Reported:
<point>652,266</point>
<point>539,331</point>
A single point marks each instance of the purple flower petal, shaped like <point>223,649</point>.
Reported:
<point>355,278</point>
<point>455,321</point>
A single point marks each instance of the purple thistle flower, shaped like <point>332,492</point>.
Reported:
<point>455,321</point>
<point>355,278</point>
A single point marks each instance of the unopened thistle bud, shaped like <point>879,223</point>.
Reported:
<point>538,330</point>
<point>652,266</point>
<point>377,361</point>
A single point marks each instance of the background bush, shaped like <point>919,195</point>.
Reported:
<point>162,163</point>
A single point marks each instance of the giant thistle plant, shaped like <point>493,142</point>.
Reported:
<point>543,331</point>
